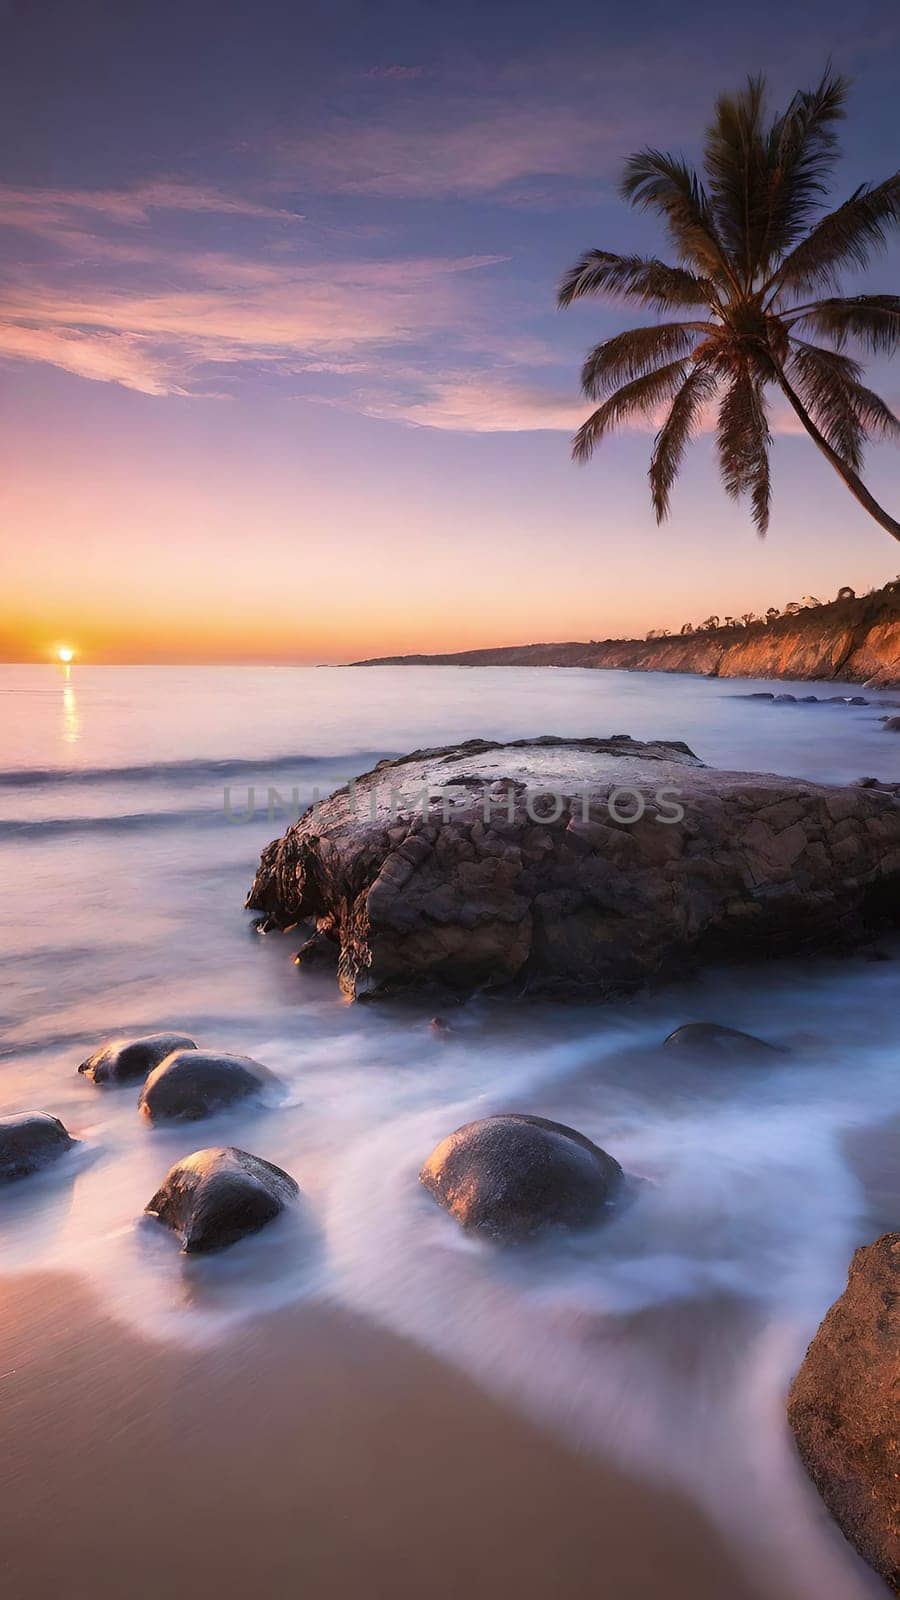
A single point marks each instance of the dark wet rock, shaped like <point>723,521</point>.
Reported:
<point>785,700</point>
<point>891,724</point>
<point>856,700</point>
<point>320,950</point>
<point>29,1141</point>
<point>844,1403</point>
<point>195,1083</point>
<point>808,700</point>
<point>711,1038</point>
<point>217,1196</point>
<point>126,1060</point>
<point>758,694</point>
<point>508,1176</point>
<point>539,883</point>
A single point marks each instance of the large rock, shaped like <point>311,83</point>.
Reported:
<point>844,1407</point>
<point>497,886</point>
<point>217,1196</point>
<point>29,1141</point>
<point>126,1060</point>
<point>194,1083</point>
<point>509,1176</point>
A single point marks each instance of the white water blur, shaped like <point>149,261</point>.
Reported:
<point>666,1338</point>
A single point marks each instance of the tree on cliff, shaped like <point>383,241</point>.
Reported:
<point>754,249</point>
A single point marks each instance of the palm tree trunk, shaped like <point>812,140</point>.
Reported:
<point>852,480</point>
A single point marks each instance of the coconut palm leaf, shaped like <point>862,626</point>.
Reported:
<point>827,382</point>
<point>803,148</point>
<point>664,183</point>
<point>744,440</point>
<point>847,237</point>
<point>630,355</point>
<point>650,281</point>
<point>698,389</point>
<point>873,319</point>
<point>749,242</point>
<point>633,399</point>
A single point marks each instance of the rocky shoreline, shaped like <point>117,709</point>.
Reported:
<point>574,866</point>
<point>850,640</point>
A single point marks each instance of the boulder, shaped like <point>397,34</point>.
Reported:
<point>485,865</point>
<point>30,1141</point>
<point>511,1175</point>
<point>891,724</point>
<point>712,1039</point>
<point>217,1196</point>
<point>126,1060</point>
<point>194,1083</point>
<point>844,1407</point>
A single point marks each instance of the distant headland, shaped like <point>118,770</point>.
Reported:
<point>852,639</point>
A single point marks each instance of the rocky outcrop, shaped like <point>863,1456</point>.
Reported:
<point>29,1141</point>
<point>195,1083</point>
<point>510,1176</point>
<point>712,1039</point>
<point>128,1060</point>
<point>524,867</point>
<point>215,1197</point>
<point>850,640</point>
<point>844,1407</point>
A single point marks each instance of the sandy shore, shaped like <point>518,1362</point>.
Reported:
<point>307,1455</point>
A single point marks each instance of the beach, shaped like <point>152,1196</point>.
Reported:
<point>360,1399</point>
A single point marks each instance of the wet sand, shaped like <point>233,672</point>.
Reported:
<point>308,1454</point>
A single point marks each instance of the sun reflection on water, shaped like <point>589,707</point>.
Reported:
<point>71,717</point>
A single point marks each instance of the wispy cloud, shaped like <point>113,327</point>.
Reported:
<point>397,72</point>
<point>50,211</point>
<point>482,403</point>
<point>478,151</point>
<point>231,312</point>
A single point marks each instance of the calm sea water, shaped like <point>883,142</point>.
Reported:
<point>669,1339</point>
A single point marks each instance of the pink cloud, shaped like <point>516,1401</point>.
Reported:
<point>296,317</point>
<point>480,153</point>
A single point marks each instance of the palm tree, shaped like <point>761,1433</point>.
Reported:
<point>753,248</point>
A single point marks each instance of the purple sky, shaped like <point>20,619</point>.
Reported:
<point>280,369</point>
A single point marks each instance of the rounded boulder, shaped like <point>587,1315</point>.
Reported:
<point>194,1083</point>
<point>215,1197</point>
<point>713,1039</point>
<point>509,1176</point>
<point>29,1141</point>
<point>127,1060</point>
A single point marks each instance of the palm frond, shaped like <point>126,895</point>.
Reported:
<point>847,237</point>
<point>873,319</point>
<point>636,398</point>
<point>875,414</point>
<point>744,440</point>
<point>654,180</point>
<point>828,383</point>
<point>735,159</point>
<point>629,355</point>
<point>652,282</point>
<point>675,435</point>
<point>803,148</point>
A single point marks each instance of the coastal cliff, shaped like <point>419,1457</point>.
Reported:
<point>850,641</point>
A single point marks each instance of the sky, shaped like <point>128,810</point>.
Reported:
<point>281,373</point>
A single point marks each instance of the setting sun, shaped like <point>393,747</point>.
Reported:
<point>65,654</point>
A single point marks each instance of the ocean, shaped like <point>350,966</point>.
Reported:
<point>134,803</point>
